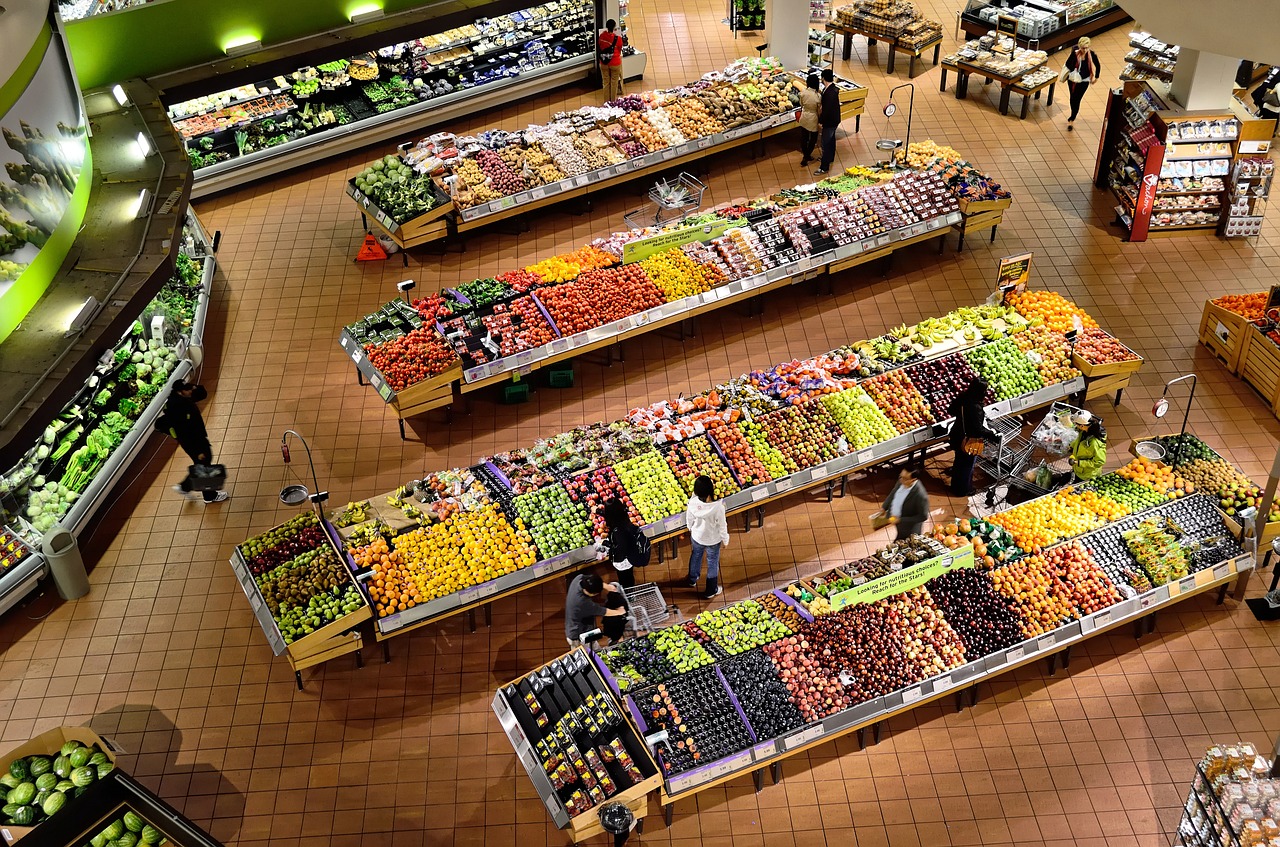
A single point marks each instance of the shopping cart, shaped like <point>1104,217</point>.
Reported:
<point>669,200</point>
<point>1003,457</point>
<point>647,609</point>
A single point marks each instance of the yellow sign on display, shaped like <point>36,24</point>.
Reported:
<point>643,248</point>
<point>905,579</point>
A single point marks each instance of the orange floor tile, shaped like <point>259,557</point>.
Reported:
<point>165,656</point>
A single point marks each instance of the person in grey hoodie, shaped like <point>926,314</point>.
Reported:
<point>907,506</point>
<point>708,532</point>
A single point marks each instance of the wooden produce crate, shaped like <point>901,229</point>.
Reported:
<point>48,744</point>
<point>1224,333</point>
<point>1105,386</point>
<point>428,394</point>
<point>1260,364</point>
<point>1090,370</point>
<point>1270,531</point>
<point>973,207</point>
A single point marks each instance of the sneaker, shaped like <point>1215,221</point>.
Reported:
<point>821,172</point>
<point>1071,127</point>
<point>691,583</point>
<point>222,495</point>
<point>187,495</point>
<point>718,592</point>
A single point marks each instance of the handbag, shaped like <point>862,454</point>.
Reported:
<point>205,478</point>
<point>973,446</point>
<point>606,56</point>
<point>1062,77</point>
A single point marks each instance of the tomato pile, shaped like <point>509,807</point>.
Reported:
<point>412,358</point>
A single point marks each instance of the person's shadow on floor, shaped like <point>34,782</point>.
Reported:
<point>149,744</point>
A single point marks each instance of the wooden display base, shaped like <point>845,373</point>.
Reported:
<point>913,51</point>
<point>1260,364</point>
<point>1225,334</point>
<point>977,222</point>
<point>1103,386</point>
<point>1008,86</point>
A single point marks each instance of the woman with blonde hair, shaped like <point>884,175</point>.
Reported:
<point>1081,71</point>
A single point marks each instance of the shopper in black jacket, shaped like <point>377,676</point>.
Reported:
<point>1082,70</point>
<point>829,120</point>
<point>182,421</point>
<point>621,544</point>
<point>970,422</point>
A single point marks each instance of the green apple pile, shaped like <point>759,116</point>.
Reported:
<point>680,649</point>
<point>771,457</point>
<point>740,627</point>
<point>859,417</point>
<point>556,523</point>
<point>653,487</point>
<point>1006,368</point>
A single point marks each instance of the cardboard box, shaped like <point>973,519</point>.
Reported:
<point>48,744</point>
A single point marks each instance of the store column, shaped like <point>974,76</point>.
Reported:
<point>788,32</point>
<point>1203,80</point>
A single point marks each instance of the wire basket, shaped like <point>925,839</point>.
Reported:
<point>648,607</point>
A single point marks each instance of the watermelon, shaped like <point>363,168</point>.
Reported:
<point>103,770</point>
<point>114,830</point>
<point>80,757</point>
<point>54,802</point>
<point>62,766</point>
<point>64,785</point>
<point>23,794</point>
<point>128,839</point>
<point>19,770</point>
<point>9,809</point>
<point>40,764</point>
<point>98,840</point>
<point>25,815</point>
<point>70,746</point>
<point>41,796</point>
<point>47,782</point>
<point>150,835</point>
<point>133,823</point>
<point>98,758</point>
<point>82,776</point>
<point>8,780</point>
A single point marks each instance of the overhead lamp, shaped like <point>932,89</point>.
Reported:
<point>144,146</point>
<point>144,204</point>
<point>242,46</point>
<point>366,12</point>
<point>117,91</point>
<point>82,315</point>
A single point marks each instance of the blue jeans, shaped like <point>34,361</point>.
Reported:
<point>712,554</point>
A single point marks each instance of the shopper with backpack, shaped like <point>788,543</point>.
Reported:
<point>624,544</point>
<point>609,44</point>
<point>708,532</point>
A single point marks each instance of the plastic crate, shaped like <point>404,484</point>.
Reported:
<point>516,392</point>
<point>560,376</point>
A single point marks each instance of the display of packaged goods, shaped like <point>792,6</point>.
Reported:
<point>1234,799</point>
<point>999,55</point>
<point>228,125</point>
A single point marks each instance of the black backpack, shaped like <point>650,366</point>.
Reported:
<point>642,549</point>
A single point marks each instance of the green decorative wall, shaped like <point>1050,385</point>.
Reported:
<point>171,34</point>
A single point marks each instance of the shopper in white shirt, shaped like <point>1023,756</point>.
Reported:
<point>907,505</point>
<point>709,531</point>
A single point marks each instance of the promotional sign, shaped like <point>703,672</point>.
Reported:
<point>905,579</point>
<point>1014,273</point>
<point>643,248</point>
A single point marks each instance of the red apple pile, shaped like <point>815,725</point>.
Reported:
<point>805,434</point>
<point>940,380</point>
<point>897,397</point>
<point>814,692</point>
<point>1088,587</point>
<point>696,457</point>
<point>595,488</point>
<point>412,358</point>
<point>1100,348</point>
<point>746,466</point>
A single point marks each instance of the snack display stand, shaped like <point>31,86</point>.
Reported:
<point>24,504</point>
<point>1216,811</point>
<point>1024,73</point>
<point>563,720</point>
<point>330,637</point>
<point>959,678</point>
<point>897,25</point>
<point>1169,167</point>
<point>1149,58</point>
<point>448,219</point>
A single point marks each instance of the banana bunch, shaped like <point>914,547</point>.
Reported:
<point>931,331</point>
<point>900,332</point>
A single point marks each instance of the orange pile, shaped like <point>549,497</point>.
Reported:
<point>1041,522</point>
<point>1043,602</point>
<point>1157,476</point>
<point>1055,310</point>
<point>589,258</point>
<point>390,587</point>
<point>1249,306</point>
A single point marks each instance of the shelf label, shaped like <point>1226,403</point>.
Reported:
<point>1222,570</point>
<point>579,181</point>
<point>704,143</point>
<point>1100,619</point>
<point>553,804</point>
<point>1187,583</point>
<point>668,154</point>
<point>819,471</point>
<point>764,751</point>
<point>559,345</point>
<point>759,494</point>
<point>1046,642</point>
<point>911,695</point>
<point>799,739</point>
<point>541,569</point>
<point>866,456</point>
<point>538,193</point>
<point>385,393</point>
<point>942,683</point>
<point>782,485</point>
<point>357,356</point>
<point>1015,654</point>
<point>500,706</point>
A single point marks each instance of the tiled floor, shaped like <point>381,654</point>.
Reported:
<point>165,655</point>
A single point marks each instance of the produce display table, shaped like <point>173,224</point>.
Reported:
<point>977,215</point>
<point>914,51</point>
<point>332,635</point>
<point>1028,92</point>
<point>800,604</point>
<point>1008,85</point>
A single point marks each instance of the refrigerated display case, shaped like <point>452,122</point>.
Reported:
<point>66,476</point>
<point>1051,25</point>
